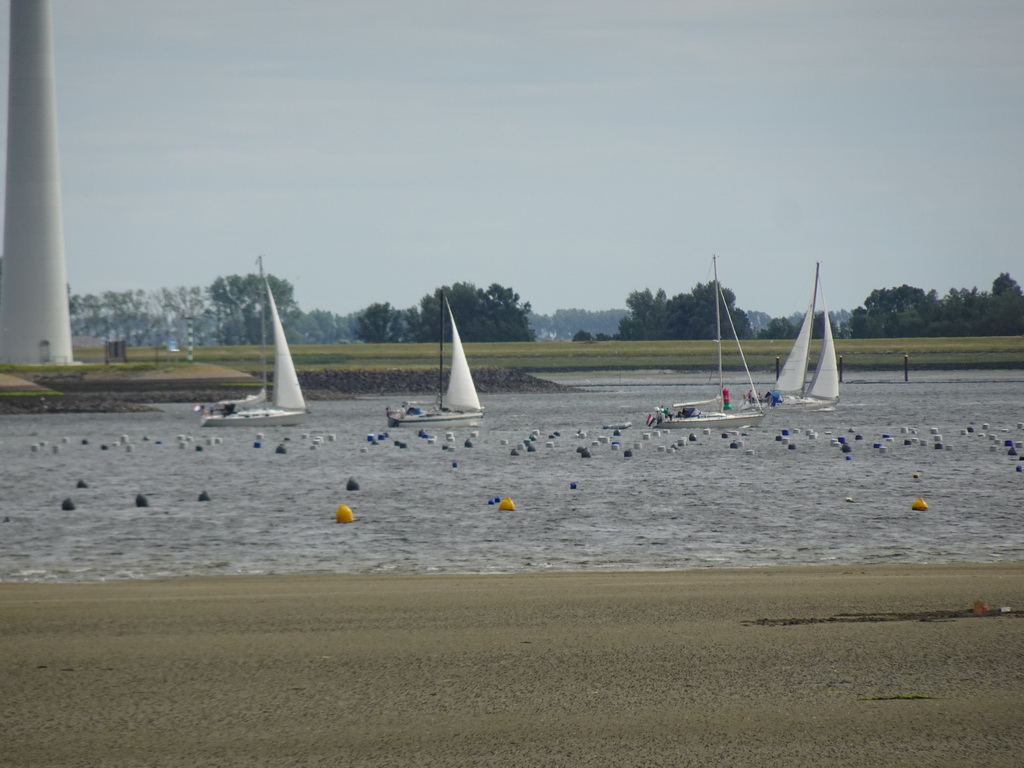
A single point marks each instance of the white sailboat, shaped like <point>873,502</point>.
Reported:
<point>822,391</point>
<point>716,411</point>
<point>460,405</point>
<point>288,406</point>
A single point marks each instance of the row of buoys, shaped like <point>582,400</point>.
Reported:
<point>68,504</point>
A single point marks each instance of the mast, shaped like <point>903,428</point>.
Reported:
<point>440,350</point>
<point>814,305</point>
<point>263,324</point>
<point>718,327</point>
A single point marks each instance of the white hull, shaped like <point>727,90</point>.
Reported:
<point>712,420</point>
<point>255,417</point>
<point>467,418</point>
<point>798,403</point>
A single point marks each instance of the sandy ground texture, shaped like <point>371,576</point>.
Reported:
<point>845,666</point>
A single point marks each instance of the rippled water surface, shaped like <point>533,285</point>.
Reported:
<point>425,509</point>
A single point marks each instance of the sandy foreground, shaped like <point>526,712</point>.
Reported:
<point>627,669</point>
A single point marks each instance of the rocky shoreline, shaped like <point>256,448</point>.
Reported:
<point>75,395</point>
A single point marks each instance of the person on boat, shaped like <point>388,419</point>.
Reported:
<point>229,408</point>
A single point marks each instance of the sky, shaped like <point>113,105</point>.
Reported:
<point>575,151</point>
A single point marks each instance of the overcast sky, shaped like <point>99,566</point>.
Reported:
<point>575,151</point>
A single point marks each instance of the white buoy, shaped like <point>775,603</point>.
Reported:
<point>748,452</point>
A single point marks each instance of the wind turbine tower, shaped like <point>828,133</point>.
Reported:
<point>35,324</point>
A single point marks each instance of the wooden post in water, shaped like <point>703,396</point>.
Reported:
<point>840,369</point>
<point>777,368</point>
<point>906,367</point>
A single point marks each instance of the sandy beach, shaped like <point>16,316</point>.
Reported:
<point>844,666</point>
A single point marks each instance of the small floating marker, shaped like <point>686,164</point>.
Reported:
<point>847,448</point>
<point>627,454</point>
<point>351,485</point>
<point>344,514</point>
<point>84,441</point>
<point>692,438</point>
<point>1020,467</point>
<point>491,502</point>
<point>67,505</point>
<point>858,437</point>
<point>281,449</point>
<point>204,496</point>
<point>572,486</point>
<point>531,448</point>
<point>514,452</point>
<point>848,458</point>
<point>585,453</point>
<point>81,484</point>
<point>791,446</point>
<point>129,448</point>
<point>507,504</point>
<point>785,432</point>
<point>979,608</point>
<point>938,446</point>
<point>468,443</point>
<point>198,447</point>
<point>734,445</point>
<point>919,505</point>
<point>455,465</point>
<point>141,501</point>
<point>104,448</point>
<point>849,499</point>
<point>257,444</point>
<point>748,452</point>
<point>617,433</point>
<point>916,476</point>
<point>1012,452</point>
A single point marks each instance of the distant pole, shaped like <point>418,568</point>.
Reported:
<point>191,338</point>
<point>840,369</point>
<point>906,367</point>
<point>777,369</point>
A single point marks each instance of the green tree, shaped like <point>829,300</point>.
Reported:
<point>648,316</point>
<point>237,306</point>
<point>379,324</point>
<point>482,316</point>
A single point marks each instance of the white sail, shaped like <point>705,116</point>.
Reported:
<point>461,390</point>
<point>794,371</point>
<point>825,382</point>
<point>287,392</point>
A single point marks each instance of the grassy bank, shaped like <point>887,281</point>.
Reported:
<point>992,352</point>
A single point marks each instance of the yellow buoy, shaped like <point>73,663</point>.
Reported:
<point>344,514</point>
<point>848,498</point>
<point>919,504</point>
<point>507,504</point>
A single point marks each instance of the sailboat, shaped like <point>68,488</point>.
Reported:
<point>288,406</point>
<point>716,411</point>
<point>822,391</point>
<point>460,404</point>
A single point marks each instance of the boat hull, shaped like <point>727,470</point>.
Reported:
<point>256,418</point>
<point>467,418</point>
<point>798,403</point>
<point>718,420</point>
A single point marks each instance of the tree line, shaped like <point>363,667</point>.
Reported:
<point>229,311</point>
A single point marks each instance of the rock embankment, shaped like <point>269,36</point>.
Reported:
<point>126,395</point>
<point>325,384</point>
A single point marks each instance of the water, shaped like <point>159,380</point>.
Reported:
<point>703,505</point>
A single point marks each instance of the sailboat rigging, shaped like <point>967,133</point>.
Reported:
<point>460,403</point>
<point>822,391</point>
<point>288,407</point>
<point>692,414</point>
